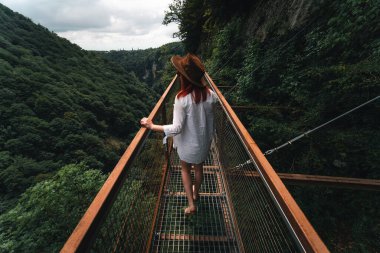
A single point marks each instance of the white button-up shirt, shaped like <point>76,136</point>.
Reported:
<point>192,128</point>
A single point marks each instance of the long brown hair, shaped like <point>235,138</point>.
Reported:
<point>198,94</point>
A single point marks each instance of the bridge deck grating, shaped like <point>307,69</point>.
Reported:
<point>210,229</point>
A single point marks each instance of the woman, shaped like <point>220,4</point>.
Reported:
<point>193,123</point>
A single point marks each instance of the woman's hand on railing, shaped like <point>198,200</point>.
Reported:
<point>145,122</point>
<point>148,123</point>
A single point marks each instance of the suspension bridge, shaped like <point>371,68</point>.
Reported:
<point>244,205</point>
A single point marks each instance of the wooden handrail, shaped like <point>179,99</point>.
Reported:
<point>83,235</point>
<point>330,181</point>
<point>305,232</point>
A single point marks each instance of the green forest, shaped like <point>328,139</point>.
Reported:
<point>298,66</point>
<point>149,65</point>
<point>66,116</point>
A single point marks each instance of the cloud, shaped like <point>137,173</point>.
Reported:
<point>62,16</point>
<point>92,40</point>
<point>112,22</point>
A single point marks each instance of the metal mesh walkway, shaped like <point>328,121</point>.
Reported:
<point>140,208</point>
<point>210,229</point>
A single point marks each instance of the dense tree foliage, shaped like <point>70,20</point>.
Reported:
<point>196,18</point>
<point>47,213</point>
<point>149,65</point>
<point>62,105</point>
<point>59,104</point>
<point>300,75</point>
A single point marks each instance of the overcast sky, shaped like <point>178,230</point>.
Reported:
<point>101,24</point>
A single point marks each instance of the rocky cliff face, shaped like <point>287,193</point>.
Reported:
<point>276,17</point>
<point>259,20</point>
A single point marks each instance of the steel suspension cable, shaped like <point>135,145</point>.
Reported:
<point>270,151</point>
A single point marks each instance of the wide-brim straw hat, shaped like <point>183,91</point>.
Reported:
<point>191,67</point>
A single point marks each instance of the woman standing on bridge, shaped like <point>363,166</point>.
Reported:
<point>193,123</point>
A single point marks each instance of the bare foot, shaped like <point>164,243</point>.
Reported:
<point>190,210</point>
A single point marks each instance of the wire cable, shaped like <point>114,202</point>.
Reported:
<point>270,151</point>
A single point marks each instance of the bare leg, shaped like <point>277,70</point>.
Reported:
<point>198,179</point>
<point>186,179</point>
